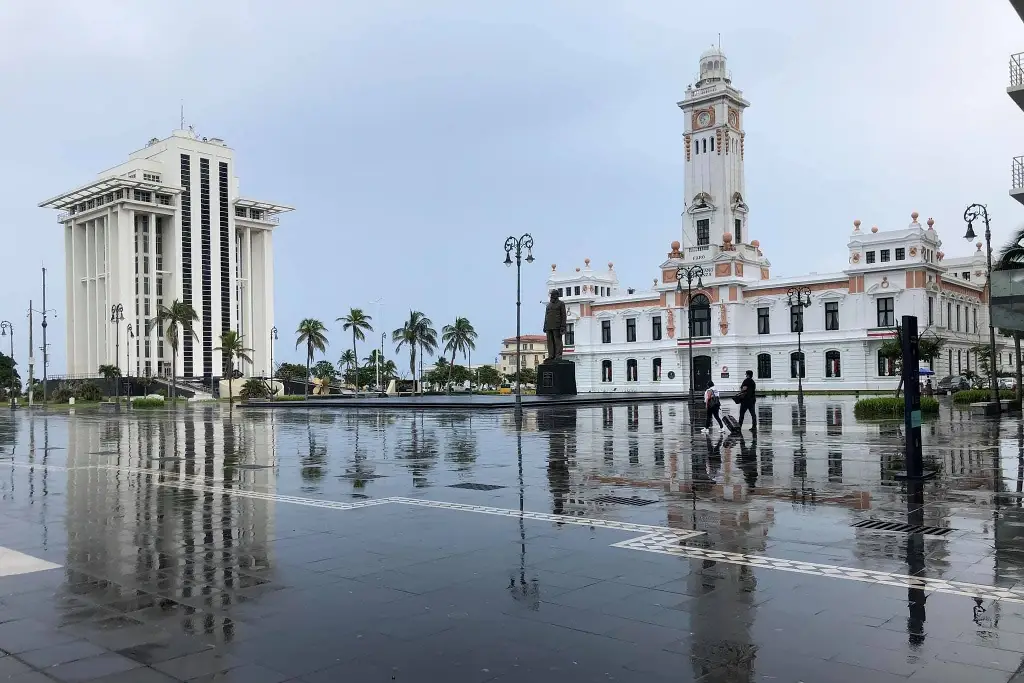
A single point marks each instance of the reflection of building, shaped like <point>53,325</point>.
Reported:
<point>533,352</point>
<point>740,317</point>
<point>167,224</point>
<point>176,541</point>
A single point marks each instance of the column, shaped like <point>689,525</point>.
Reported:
<point>90,298</point>
<point>246,293</point>
<point>266,277</point>
<point>151,257</point>
<point>69,294</point>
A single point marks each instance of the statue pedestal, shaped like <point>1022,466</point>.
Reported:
<point>556,377</point>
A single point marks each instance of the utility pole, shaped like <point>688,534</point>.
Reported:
<point>31,358</point>
<point>46,349</point>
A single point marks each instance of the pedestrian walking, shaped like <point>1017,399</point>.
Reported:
<point>748,391</point>
<point>713,405</point>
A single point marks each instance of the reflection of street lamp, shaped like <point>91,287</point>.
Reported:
<point>689,274</point>
<point>799,298</point>
<point>973,212</point>
<point>517,245</point>
<point>5,327</point>
<point>116,316</point>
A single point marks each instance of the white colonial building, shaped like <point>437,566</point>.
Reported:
<point>167,224</point>
<point>637,340</point>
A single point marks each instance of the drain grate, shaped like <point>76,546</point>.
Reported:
<point>619,500</point>
<point>897,527</point>
<point>476,487</point>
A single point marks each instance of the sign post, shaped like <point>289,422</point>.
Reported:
<point>912,402</point>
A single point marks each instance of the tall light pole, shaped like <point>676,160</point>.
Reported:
<point>516,246</point>
<point>689,274</point>
<point>5,328</point>
<point>273,338</point>
<point>973,212</point>
<point>380,357</point>
<point>129,335</point>
<point>116,316</point>
<point>799,298</point>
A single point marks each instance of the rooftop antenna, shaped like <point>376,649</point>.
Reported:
<point>719,41</point>
<point>182,126</point>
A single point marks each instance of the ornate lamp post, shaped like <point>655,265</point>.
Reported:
<point>5,327</point>
<point>972,213</point>
<point>689,274</point>
<point>800,298</point>
<point>273,338</point>
<point>129,335</point>
<point>380,359</point>
<point>116,316</point>
<point>516,246</point>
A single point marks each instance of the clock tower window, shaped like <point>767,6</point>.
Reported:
<point>712,144</point>
<point>703,232</point>
<point>738,232</point>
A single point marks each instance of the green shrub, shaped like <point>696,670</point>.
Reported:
<point>149,403</point>
<point>254,388</point>
<point>291,397</point>
<point>890,407</point>
<point>80,391</point>
<point>979,395</point>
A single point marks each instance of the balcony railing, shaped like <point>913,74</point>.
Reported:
<point>1018,173</point>
<point>1017,70</point>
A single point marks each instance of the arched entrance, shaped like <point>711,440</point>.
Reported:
<point>701,372</point>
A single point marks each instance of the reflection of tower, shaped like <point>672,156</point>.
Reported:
<point>193,548</point>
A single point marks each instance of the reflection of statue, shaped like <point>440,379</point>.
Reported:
<point>554,325</point>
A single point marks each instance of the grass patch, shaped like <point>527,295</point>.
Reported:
<point>890,407</point>
<point>291,397</point>
<point>979,395</point>
<point>148,403</point>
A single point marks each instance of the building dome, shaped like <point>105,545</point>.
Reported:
<point>712,67</point>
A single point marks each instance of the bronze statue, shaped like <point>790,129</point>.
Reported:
<point>554,326</point>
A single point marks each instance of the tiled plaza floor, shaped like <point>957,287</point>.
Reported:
<point>607,543</point>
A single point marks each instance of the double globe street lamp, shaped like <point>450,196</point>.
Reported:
<point>7,328</point>
<point>799,299</point>
<point>516,246</point>
<point>689,274</point>
<point>116,316</point>
<point>971,214</point>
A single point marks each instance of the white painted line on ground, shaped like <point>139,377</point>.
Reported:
<point>13,562</point>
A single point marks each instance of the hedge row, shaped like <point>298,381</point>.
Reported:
<point>979,395</point>
<point>891,407</point>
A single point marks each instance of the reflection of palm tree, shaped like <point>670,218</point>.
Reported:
<point>314,463</point>
<point>462,444</point>
<point>419,452</point>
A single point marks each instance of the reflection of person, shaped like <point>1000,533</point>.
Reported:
<point>554,325</point>
<point>713,404</point>
<point>748,389</point>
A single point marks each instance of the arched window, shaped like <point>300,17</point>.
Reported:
<point>704,145</point>
<point>832,364</point>
<point>700,316</point>
<point>631,375</point>
<point>712,144</point>
<point>606,371</point>
<point>764,366</point>
<point>796,365</point>
<point>696,146</point>
<point>656,370</point>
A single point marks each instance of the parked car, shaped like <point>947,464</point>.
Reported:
<point>1007,383</point>
<point>952,384</point>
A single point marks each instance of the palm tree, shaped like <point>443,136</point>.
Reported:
<point>359,323</point>
<point>109,372</point>
<point>347,360</point>
<point>1011,257</point>
<point>178,314</point>
<point>417,331</point>
<point>459,337</point>
<point>232,348</point>
<point>313,334</point>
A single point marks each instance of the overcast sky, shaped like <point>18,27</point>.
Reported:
<point>414,136</point>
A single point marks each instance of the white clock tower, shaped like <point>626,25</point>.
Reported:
<point>714,187</point>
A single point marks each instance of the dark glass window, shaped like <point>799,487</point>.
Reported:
<point>831,315</point>
<point>883,255</point>
<point>576,290</point>
<point>738,229</point>
<point>886,312</point>
<point>832,364</point>
<point>763,326</point>
<point>606,332</point>
<point>901,253</point>
<point>631,374</point>
<point>606,371</point>
<point>886,366</point>
<point>656,327</point>
<point>656,374</point>
<point>570,334</point>
<point>764,365</point>
<point>796,318</point>
<point>700,316</point>
<point>796,365</point>
<point>631,329</point>
<point>870,257</point>
<point>703,231</point>
<point>958,317</point>
<point>931,309</point>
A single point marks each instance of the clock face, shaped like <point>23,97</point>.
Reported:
<point>704,119</point>
<point>734,118</point>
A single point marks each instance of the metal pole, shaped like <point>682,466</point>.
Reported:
<point>46,349</point>
<point>994,385</point>
<point>383,336</point>
<point>31,362</point>
<point>519,341</point>
<point>7,328</point>
<point>129,335</point>
<point>116,316</point>
<point>800,358</point>
<point>689,328</point>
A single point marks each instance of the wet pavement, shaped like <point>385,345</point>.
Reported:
<point>595,543</point>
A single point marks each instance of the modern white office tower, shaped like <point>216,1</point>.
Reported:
<point>168,224</point>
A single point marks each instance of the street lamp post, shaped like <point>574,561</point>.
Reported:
<point>129,335</point>
<point>273,338</point>
<point>116,316</point>
<point>689,274</point>
<point>380,359</point>
<point>513,245</point>
<point>5,328</point>
<point>972,213</point>
<point>799,297</point>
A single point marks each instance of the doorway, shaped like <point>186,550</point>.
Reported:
<point>701,372</point>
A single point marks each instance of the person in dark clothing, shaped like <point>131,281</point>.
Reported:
<point>748,390</point>
<point>713,404</point>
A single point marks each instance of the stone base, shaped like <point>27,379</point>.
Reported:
<point>556,377</point>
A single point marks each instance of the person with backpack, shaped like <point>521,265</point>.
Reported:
<point>713,404</point>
